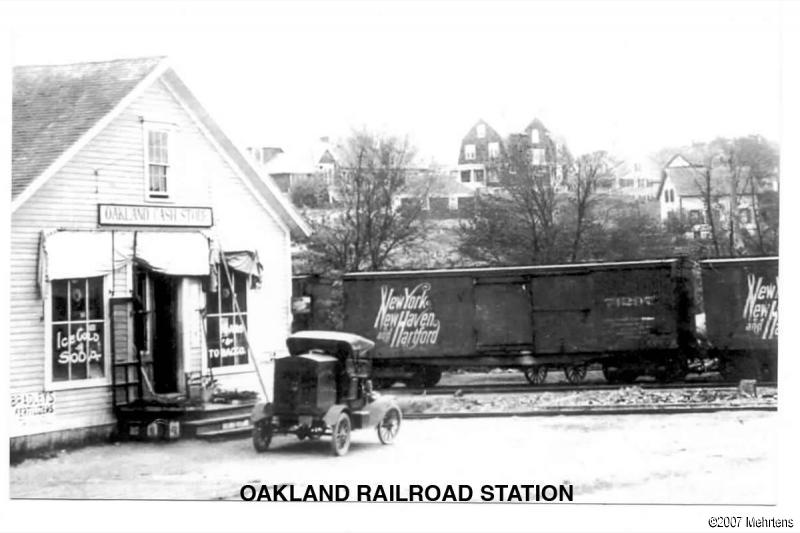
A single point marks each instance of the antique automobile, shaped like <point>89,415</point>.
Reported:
<point>323,388</point>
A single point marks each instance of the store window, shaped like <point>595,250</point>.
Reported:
<point>77,322</point>
<point>226,323</point>
<point>158,163</point>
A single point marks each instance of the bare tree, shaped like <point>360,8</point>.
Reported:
<point>519,224</point>
<point>586,173</point>
<point>368,224</point>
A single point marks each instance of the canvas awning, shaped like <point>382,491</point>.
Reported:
<point>84,254</point>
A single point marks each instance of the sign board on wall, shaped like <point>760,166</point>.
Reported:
<point>27,405</point>
<point>154,215</point>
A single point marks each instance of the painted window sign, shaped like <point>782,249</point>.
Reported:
<point>225,328</point>
<point>760,311</point>
<point>405,318</point>
<point>77,334</point>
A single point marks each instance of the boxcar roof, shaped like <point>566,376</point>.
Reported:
<point>736,260</point>
<point>518,270</point>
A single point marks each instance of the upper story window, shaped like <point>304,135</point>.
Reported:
<point>538,157</point>
<point>481,131</point>
<point>494,149</point>
<point>158,168</point>
<point>469,152</point>
<point>535,136</point>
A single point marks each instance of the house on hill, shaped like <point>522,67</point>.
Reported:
<point>687,183</point>
<point>480,149</point>
<point>140,238</point>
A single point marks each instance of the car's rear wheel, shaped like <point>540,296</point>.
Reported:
<point>262,436</point>
<point>389,426</point>
<point>340,437</point>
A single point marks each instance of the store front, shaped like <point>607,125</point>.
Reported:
<point>135,236</point>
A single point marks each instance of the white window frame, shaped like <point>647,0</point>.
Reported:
<point>171,176</point>
<point>480,131</point>
<point>538,157</point>
<point>238,367</point>
<point>49,383</point>
<point>535,137</point>
<point>469,152</point>
<point>494,149</point>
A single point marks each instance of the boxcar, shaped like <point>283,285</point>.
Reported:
<point>632,317</point>
<point>741,305</point>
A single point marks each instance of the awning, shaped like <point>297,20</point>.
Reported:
<point>174,253</point>
<point>84,254</point>
<point>245,261</point>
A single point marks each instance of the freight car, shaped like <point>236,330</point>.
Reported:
<point>741,306</point>
<point>633,318</point>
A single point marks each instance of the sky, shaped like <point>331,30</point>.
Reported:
<point>626,77</point>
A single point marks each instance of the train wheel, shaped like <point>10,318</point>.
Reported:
<point>262,436</point>
<point>575,374</point>
<point>431,376</point>
<point>611,374</point>
<point>340,436</point>
<point>389,426</point>
<point>535,374</point>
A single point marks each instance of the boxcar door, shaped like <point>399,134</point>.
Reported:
<point>562,313</point>
<point>503,314</point>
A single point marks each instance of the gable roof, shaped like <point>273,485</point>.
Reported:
<point>59,108</point>
<point>54,105</point>
<point>691,181</point>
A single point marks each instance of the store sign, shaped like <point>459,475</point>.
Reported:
<point>154,215</point>
<point>33,404</point>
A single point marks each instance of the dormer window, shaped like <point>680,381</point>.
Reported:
<point>481,131</point>
<point>534,136</point>
<point>158,173</point>
<point>469,152</point>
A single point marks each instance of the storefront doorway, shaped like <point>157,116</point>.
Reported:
<point>158,331</point>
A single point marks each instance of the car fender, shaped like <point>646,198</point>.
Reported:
<point>333,413</point>
<point>377,409</point>
<point>261,411</point>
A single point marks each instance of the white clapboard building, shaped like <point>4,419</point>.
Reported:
<point>142,244</point>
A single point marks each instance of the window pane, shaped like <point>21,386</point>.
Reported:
<point>96,298</point>
<point>77,300</point>
<point>227,340</point>
<point>226,295</point>
<point>61,351</point>
<point>240,287</point>
<point>212,341</point>
<point>158,178</point>
<point>59,292</point>
<point>212,302</point>
<point>241,340</point>
<point>77,358</point>
<point>94,350</point>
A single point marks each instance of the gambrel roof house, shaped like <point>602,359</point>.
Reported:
<point>141,238</point>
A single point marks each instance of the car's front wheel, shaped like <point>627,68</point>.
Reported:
<point>340,437</point>
<point>389,426</point>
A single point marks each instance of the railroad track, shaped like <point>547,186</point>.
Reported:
<point>560,387</point>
